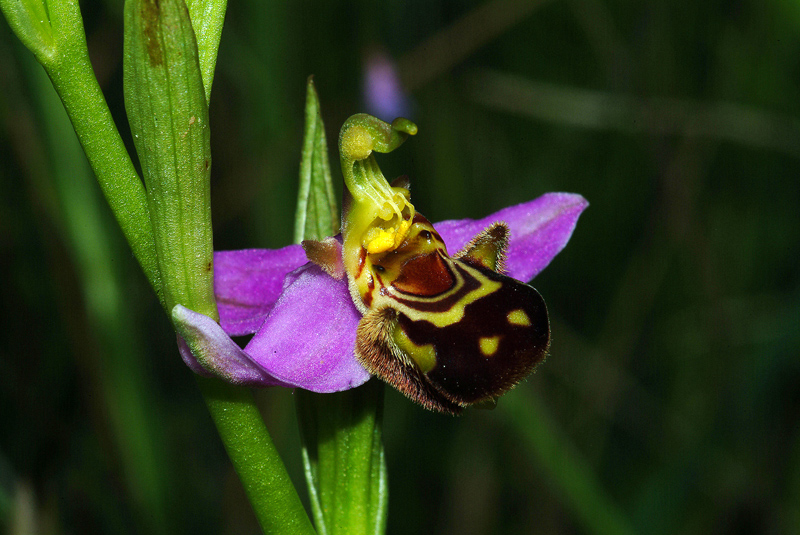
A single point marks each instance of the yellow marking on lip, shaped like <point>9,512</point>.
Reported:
<point>423,356</point>
<point>519,317</point>
<point>456,312</point>
<point>489,345</point>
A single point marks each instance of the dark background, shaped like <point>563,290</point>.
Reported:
<point>670,400</point>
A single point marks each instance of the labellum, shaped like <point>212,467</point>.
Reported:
<point>447,332</point>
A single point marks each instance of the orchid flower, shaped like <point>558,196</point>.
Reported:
<point>304,315</point>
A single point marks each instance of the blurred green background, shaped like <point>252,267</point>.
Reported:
<point>670,401</point>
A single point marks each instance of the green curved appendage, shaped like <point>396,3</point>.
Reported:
<point>377,216</point>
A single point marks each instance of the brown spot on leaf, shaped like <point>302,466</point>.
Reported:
<point>150,21</point>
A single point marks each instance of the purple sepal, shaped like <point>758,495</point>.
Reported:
<point>309,336</point>
<point>248,282</point>
<point>307,340</point>
<point>208,350</point>
<point>539,231</point>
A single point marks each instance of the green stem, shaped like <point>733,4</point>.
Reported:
<point>101,143</point>
<point>70,70</point>
<point>255,459</point>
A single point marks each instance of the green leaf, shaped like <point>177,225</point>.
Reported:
<point>344,459</point>
<point>168,113</point>
<point>317,215</point>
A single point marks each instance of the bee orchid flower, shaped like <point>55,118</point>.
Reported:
<point>305,317</point>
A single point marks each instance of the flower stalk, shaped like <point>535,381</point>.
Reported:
<point>255,459</point>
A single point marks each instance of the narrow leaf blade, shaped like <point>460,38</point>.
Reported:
<point>207,17</point>
<point>317,214</point>
<point>344,459</point>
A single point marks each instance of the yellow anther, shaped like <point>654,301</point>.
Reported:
<point>379,240</point>
<point>379,216</point>
<point>402,230</point>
